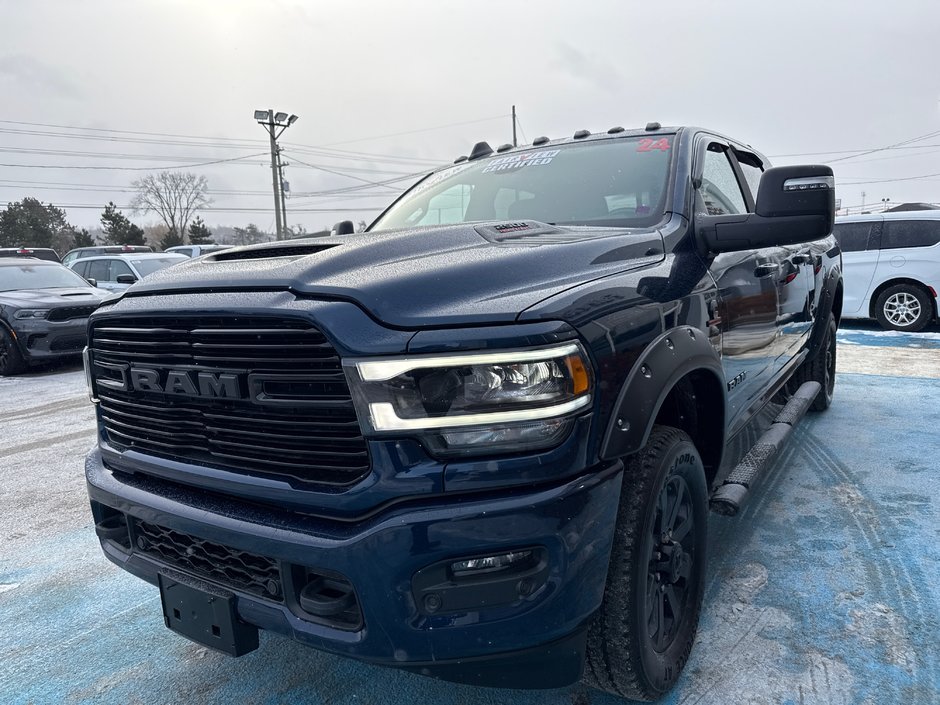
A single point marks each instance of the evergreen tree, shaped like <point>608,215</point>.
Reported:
<point>171,239</point>
<point>199,233</point>
<point>118,230</point>
<point>32,224</point>
<point>81,238</point>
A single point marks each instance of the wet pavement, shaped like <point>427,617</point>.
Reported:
<point>826,589</point>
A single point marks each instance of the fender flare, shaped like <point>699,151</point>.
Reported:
<point>670,357</point>
<point>16,340</point>
<point>826,301</point>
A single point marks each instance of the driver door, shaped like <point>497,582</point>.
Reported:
<point>747,287</point>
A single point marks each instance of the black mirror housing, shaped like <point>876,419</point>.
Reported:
<point>126,279</point>
<point>795,204</point>
<point>797,190</point>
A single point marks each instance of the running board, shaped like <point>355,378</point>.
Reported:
<point>731,496</point>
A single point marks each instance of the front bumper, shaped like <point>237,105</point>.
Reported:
<point>40,339</point>
<point>535,641</point>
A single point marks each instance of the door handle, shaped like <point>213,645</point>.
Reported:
<point>766,269</point>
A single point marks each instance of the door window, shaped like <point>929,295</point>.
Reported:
<point>910,233</point>
<point>80,268</point>
<point>852,237</point>
<point>720,193</point>
<point>98,270</point>
<point>118,267</point>
<point>752,169</point>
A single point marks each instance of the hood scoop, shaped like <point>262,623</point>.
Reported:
<point>269,251</point>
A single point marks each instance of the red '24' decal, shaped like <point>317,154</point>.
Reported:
<point>648,145</point>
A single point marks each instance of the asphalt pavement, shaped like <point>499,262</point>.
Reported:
<point>826,589</point>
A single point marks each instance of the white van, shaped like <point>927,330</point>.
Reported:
<point>891,267</point>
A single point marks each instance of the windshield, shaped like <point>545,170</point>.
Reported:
<point>617,182</point>
<point>151,265</point>
<point>29,275</point>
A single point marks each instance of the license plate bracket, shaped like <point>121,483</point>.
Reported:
<point>207,617</point>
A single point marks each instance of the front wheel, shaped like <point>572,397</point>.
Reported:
<point>11,359</point>
<point>641,637</point>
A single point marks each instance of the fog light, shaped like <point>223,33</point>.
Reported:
<point>489,564</point>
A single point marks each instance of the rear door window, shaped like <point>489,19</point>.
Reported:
<point>910,233</point>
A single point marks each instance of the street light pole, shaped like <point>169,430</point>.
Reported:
<point>270,121</point>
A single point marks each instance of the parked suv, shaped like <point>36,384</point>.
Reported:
<point>892,267</point>
<point>44,253</point>
<point>117,272</point>
<point>80,252</point>
<point>478,441</point>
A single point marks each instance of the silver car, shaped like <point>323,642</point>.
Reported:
<point>117,272</point>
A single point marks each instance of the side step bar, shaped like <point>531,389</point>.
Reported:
<point>731,496</point>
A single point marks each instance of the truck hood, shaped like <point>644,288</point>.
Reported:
<point>52,298</point>
<point>441,276</point>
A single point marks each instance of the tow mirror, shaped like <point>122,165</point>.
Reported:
<point>795,204</point>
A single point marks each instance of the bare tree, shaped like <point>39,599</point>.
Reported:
<point>174,196</point>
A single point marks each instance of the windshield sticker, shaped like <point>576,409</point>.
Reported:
<point>648,145</point>
<point>517,161</point>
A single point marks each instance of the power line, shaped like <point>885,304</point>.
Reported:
<point>413,132</point>
<point>348,176</point>
<point>885,181</point>
<point>890,146</point>
<point>97,206</point>
<point>847,151</point>
<point>129,168</point>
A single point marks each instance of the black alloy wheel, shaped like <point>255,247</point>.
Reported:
<point>641,637</point>
<point>670,565</point>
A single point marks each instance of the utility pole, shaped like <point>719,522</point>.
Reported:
<point>271,121</point>
<point>514,142</point>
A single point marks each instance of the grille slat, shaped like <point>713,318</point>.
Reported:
<point>67,313</point>
<point>248,572</point>
<point>310,437</point>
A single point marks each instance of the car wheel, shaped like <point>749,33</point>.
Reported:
<point>640,639</point>
<point>903,307</point>
<point>11,360</point>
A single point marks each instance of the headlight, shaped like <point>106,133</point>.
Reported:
<point>31,313</point>
<point>478,402</point>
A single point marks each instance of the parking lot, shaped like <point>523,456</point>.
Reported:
<point>825,590</point>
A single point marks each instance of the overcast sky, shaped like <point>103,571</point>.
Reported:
<point>788,77</point>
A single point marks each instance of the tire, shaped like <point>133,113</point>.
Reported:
<point>633,648</point>
<point>903,307</point>
<point>11,359</point>
<point>820,368</point>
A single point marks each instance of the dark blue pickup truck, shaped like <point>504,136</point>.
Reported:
<point>480,440</point>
